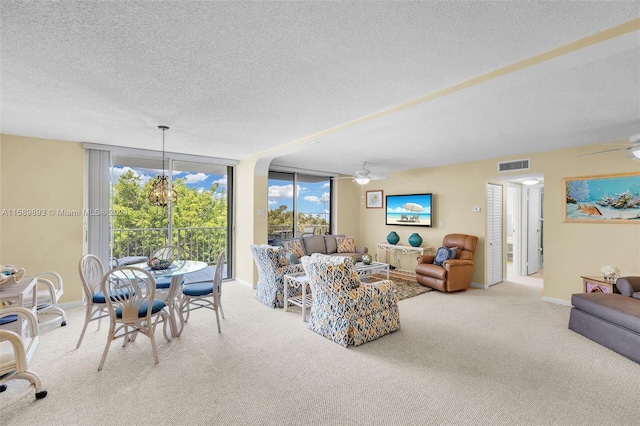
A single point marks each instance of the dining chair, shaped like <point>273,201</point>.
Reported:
<point>17,347</point>
<point>91,272</point>
<point>133,308</point>
<point>202,295</point>
<point>172,253</point>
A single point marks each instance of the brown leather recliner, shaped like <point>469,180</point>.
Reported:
<point>454,274</point>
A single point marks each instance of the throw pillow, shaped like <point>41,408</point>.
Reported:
<point>346,245</point>
<point>453,252</point>
<point>294,246</point>
<point>293,259</point>
<point>444,253</point>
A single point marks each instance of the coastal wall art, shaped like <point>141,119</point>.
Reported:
<point>374,199</point>
<point>602,199</point>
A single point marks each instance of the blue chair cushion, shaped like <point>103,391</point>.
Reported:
<point>99,297</point>
<point>8,319</point>
<point>198,289</point>
<point>164,282</point>
<point>142,311</point>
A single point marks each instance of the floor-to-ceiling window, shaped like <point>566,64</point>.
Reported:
<point>299,204</point>
<point>198,220</point>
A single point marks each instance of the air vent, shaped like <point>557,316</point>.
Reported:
<point>509,166</point>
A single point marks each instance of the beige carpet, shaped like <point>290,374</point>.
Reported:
<point>500,356</point>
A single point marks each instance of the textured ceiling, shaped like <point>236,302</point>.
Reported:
<point>400,85</point>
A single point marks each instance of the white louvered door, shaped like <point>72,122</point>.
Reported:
<point>494,234</point>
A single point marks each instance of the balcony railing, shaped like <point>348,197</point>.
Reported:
<point>202,244</point>
<point>286,231</point>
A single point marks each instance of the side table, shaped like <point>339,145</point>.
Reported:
<point>304,300</point>
<point>593,284</point>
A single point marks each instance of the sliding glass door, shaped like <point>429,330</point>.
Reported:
<point>198,220</point>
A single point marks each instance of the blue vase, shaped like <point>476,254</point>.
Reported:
<point>415,240</point>
<point>393,238</point>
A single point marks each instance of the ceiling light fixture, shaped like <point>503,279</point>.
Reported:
<point>362,180</point>
<point>530,181</point>
<point>161,192</point>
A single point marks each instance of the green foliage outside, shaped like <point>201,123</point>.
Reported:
<point>199,219</point>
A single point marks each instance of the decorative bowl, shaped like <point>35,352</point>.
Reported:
<point>159,264</point>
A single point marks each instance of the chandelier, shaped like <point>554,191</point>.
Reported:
<point>161,192</point>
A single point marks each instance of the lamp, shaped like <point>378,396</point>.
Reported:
<point>362,180</point>
<point>161,192</point>
<point>530,181</point>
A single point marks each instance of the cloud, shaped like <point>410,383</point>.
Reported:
<point>193,178</point>
<point>116,172</point>
<point>222,182</point>
<point>281,191</point>
<point>315,199</point>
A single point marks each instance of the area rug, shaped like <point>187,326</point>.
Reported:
<point>406,285</point>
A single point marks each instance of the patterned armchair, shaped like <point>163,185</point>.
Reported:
<point>344,309</point>
<point>272,266</point>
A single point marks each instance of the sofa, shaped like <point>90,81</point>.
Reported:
<point>610,319</point>
<point>333,245</point>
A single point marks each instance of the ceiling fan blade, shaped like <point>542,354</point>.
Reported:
<point>378,177</point>
<point>602,152</point>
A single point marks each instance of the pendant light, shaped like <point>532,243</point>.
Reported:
<point>161,192</point>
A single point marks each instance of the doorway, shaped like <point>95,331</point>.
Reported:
<point>524,231</point>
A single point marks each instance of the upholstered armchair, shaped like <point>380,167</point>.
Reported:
<point>344,309</point>
<point>454,274</point>
<point>273,265</point>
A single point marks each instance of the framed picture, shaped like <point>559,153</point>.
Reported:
<point>409,209</point>
<point>374,199</point>
<point>602,199</point>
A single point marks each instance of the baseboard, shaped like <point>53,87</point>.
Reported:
<point>481,286</point>
<point>557,301</point>
<point>238,280</point>
<point>71,305</point>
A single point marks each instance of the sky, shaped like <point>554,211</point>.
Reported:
<point>199,181</point>
<point>313,197</point>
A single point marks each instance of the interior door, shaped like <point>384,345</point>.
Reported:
<point>534,230</point>
<point>494,234</point>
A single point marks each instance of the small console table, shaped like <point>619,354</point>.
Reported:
<point>598,285</point>
<point>399,250</point>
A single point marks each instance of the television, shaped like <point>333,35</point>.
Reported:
<point>409,209</point>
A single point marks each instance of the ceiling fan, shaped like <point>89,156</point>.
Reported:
<point>633,146</point>
<point>364,175</point>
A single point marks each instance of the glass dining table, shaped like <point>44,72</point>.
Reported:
<point>170,296</point>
